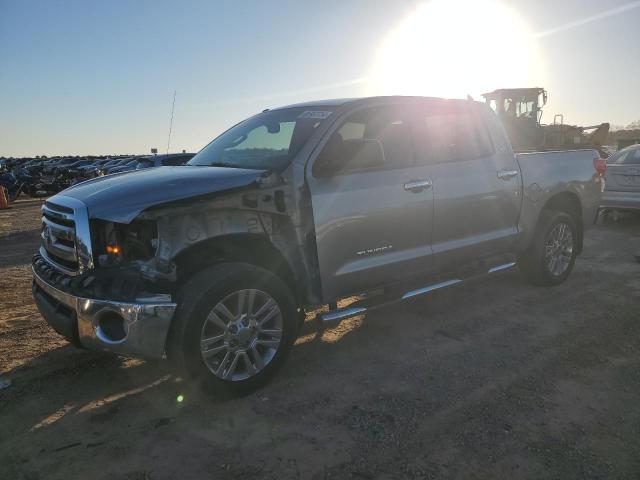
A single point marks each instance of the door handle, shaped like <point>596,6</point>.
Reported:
<point>507,174</point>
<point>417,185</point>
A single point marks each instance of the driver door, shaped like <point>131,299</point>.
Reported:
<point>372,204</point>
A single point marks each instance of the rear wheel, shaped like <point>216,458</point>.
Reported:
<point>234,326</point>
<point>552,253</point>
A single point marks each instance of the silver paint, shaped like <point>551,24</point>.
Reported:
<point>473,209</point>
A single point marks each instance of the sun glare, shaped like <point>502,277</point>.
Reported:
<point>451,48</point>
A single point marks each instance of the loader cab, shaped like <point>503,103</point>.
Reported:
<point>520,111</point>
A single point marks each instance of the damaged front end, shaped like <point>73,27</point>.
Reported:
<point>255,224</point>
<point>116,292</point>
<point>123,254</point>
<point>108,309</point>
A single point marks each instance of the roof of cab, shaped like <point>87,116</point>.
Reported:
<point>338,102</point>
<point>334,102</point>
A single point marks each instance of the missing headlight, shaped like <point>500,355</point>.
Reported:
<point>116,243</point>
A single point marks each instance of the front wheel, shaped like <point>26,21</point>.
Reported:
<point>552,253</point>
<point>234,326</point>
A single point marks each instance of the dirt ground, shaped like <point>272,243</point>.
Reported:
<point>493,379</point>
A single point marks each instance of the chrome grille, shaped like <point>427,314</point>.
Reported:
<point>58,237</point>
<point>65,242</point>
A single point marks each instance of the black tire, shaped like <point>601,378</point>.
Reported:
<point>197,298</point>
<point>533,263</point>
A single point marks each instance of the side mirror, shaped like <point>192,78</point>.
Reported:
<point>273,127</point>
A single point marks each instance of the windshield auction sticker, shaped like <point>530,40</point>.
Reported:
<point>316,114</point>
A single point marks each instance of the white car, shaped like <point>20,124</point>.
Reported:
<point>622,180</point>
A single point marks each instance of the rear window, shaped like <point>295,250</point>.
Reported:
<point>625,157</point>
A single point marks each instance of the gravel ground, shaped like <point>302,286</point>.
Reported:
<point>493,379</point>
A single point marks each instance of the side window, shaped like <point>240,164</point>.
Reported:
<point>352,130</point>
<point>454,136</point>
<point>375,138</point>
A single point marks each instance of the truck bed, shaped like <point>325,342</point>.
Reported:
<point>546,174</point>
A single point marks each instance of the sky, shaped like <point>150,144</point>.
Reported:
<point>94,77</point>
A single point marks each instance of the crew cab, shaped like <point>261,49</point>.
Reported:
<point>377,200</point>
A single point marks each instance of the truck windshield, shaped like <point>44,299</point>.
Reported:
<point>267,141</point>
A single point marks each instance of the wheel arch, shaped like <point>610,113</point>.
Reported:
<point>252,248</point>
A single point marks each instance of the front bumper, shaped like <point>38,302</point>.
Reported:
<point>81,321</point>
<point>621,200</point>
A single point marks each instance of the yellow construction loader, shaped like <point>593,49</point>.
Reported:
<point>520,111</point>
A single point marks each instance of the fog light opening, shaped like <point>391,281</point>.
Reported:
<point>111,327</point>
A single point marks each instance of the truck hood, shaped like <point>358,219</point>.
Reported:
<point>122,197</point>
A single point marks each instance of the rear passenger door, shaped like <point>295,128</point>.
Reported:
<point>476,187</point>
<point>372,204</point>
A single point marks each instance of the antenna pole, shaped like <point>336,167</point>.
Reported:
<point>171,121</point>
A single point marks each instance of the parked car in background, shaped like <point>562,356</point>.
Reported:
<point>167,160</point>
<point>127,166</point>
<point>73,168</point>
<point>12,185</point>
<point>89,170</point>
<point>67,175</point>
<point>110,167</point>
<point>34,167</point>
<point>622,180</point>
<point>95,164</point>
<point>102,169</point>
<point>49,167</point>
<point>50,175</point>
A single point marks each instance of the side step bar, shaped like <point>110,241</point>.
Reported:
<point>342,313</point>
<point>430,288</point>
<point>357,308</point>
<point>502,267</point>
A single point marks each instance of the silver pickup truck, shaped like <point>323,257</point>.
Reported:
<point>376,200</point>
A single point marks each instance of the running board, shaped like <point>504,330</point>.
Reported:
<point>354,309</point>
<point>430,288</point>
<point>499,268</point>
<point>340,314</point>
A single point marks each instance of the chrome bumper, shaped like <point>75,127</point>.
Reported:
<point>146,324</point>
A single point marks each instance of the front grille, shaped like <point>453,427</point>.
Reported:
<point>66,236</point>
<point>58,237</point>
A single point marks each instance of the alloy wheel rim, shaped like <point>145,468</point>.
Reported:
<point>241,335</point>
<point>559,249</point>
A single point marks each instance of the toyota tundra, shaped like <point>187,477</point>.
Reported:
<point>213,265</point>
